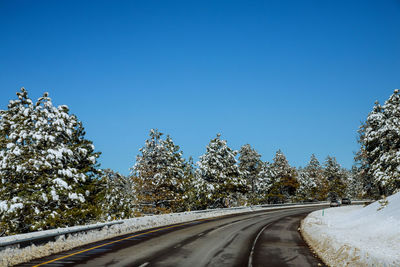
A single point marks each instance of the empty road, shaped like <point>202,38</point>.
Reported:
<point>266,238</point>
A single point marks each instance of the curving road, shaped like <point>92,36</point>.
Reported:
<point>267,238</point>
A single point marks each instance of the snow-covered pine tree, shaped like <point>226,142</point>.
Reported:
<point>284,180</point>
<point>313,180</point>
<point>336,178</point>
<point>177,180</point>
<point>159,176</point>
<point>189,189</point>
<point>250,165</point>
<point>387,172</point>
<point>69,163</point>
<point>355,185</point>
<point>369,150</point>
<point>364,177</point>
<point>17,174</point>
<point>47,167</point>
<point>306,186</point>
<point>219,179</point>
<point>264,183</point>
<point>386,168</point>
<point>380,142</point>
<point>118,198</point>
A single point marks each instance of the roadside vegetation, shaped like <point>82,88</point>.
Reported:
<point>50,177</point>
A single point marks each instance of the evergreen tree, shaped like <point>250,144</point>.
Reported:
<point>190,194</point>
<point>219,181</point>
<point>284,179</point>
<point>336,178</point>
<point>307,185</point>
<point>250,165</point>
<point>355,184</point>
<point>318,185</point>
<point>47,167</point>
<point>159,176</point>
<point>386,170</point>
<point>370,151</point>
<point>369,187</point>
<point>379,138</point>
<point>264,183</point>
<point>118,198</point>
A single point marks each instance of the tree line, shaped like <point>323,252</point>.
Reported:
<point>50,177</point>
<point>164,181</point>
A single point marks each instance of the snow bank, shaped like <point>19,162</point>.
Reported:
<point>356,235</point>
<point>14,255</point>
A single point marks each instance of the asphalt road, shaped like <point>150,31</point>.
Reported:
<point>268,238</point>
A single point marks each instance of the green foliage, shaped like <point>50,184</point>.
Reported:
<point>47,167</point>
<point>379,138</point>
<point>250,166</point>
<point>219,181</point>
<point>190,196</point>
<point>337,180</point>
<point>159,176</point>
<point>284,180</point>
<point>116,197</point>
<point>313,184</point>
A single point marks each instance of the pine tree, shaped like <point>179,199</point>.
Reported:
<point>386,170</point>
<point>306,187</point>
<point>250,165</point>
<point>355,184</point>
<point>218,176</point>
<point>17,175</point>
<point>370,151</point>
<point>336,178</point>
<point>284,179</point>
<point>368,186</point>
<point>379,138</point>
<point>189,188</point>
<point>318,188</point>
<point>118,198</point>
<point>363,159</point>
<point>177,179</point>
<point>264,183</point>
<point>47,167</point>
<point>159,176</point>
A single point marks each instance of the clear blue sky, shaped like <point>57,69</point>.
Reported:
<point>293,75</point>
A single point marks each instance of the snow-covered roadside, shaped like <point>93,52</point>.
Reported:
<point>356,235</point>
<point>12,256</point>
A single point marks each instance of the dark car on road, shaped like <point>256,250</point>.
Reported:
<point>346,201</point>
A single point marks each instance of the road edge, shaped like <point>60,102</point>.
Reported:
<point>311,243</point>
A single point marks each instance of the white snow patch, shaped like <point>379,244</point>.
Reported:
<point>66,173</point>
<point>54,153</point>
<point>60,182</point>
<point>17,151</point>
<point>75,196</point>
<point>12,208</point>
<point>10,145</point>
<point>3,206</point>
<point>54,195</point>
<point>92,159</point>
<point>356,235</point>
<point>44,197</point>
